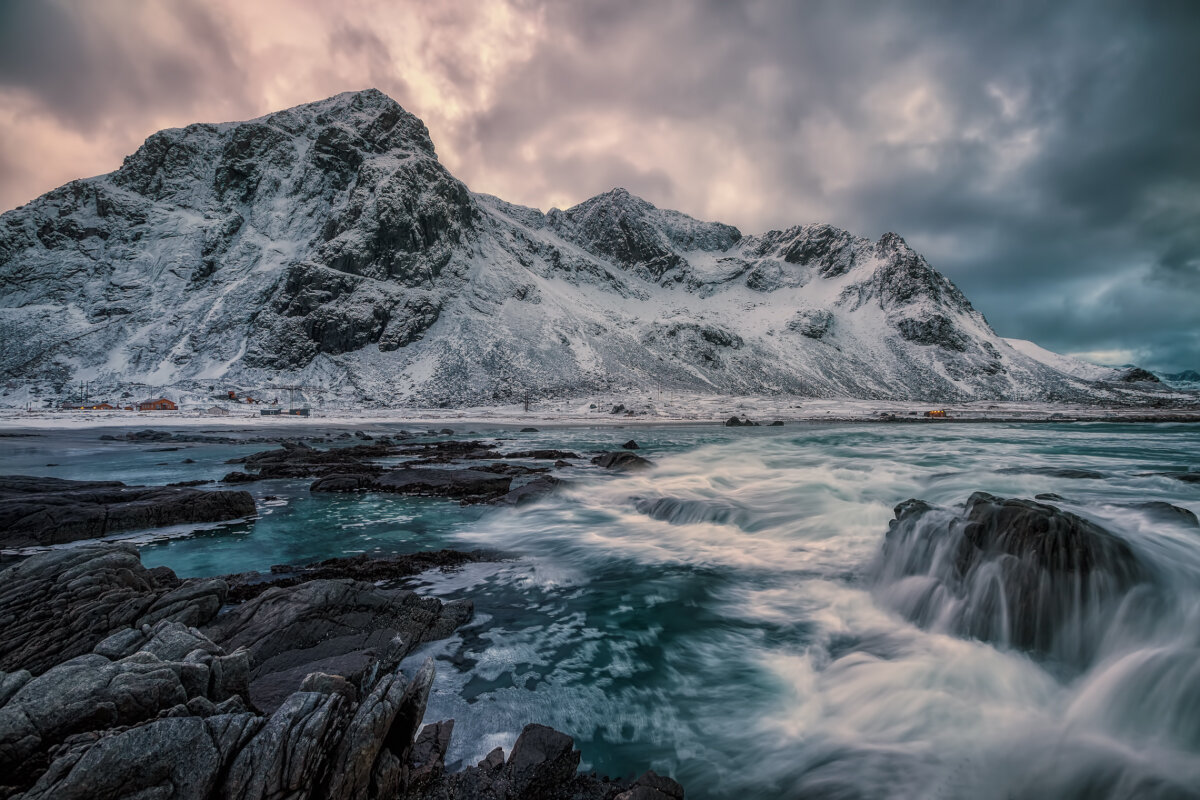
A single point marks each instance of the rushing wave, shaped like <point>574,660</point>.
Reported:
<point>742,617</point>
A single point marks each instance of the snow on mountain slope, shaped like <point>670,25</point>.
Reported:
<point>325,245</point>
<point>1064,364</point>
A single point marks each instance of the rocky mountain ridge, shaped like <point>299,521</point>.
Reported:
<point>326,246</point>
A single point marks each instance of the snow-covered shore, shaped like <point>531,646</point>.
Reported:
<point>637,410</point>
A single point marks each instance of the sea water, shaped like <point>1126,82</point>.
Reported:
<point>716,618</point>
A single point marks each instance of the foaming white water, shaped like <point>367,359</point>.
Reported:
<point>718,618</point>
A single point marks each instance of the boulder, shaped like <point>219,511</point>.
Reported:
<point>535,489</point>
<point>631,445</point>
<point>1018,573</point>
<point>622,460</point>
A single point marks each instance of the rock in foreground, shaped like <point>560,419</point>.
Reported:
<point>109,690</point>
<point>44,511</point>
<point>1014,572</point>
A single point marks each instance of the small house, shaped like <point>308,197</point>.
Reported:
<point>216,411</point>
<point>937,412</point>
<point>157,404</point>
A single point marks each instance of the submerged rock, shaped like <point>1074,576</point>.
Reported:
<point>544,455</point>
<point>360,568</point>
<point>460,484</point>
<point>1073,473</point>
<point>38,511</point>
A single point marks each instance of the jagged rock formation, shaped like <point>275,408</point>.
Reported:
<point>36,511</point>
<point>148,692</point>
<point>325,245</point>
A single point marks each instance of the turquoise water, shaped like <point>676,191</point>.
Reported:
<point>711,618</point>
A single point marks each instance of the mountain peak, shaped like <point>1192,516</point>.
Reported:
<point>381,122</point>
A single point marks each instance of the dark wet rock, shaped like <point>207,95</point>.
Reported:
<point>1050,497</point>
<point>237,476</point>
<point>1160,510</point>
<point>363,436</point>
<point>1014,572</point>
<point>631,445</point>
<point>621,459</point>
<point>529,492</point>
<point>529,430</point>
<point>776,424</point>
<point>299,460</point>
<point>541,759</point>
<point>510,469</point>
<point>360,568</point>
<point>542,766</point>
<point>559,464</point>
<point>742,422</point>
<point>338,626</point>
<point>1055,472</point>
<point>185,484</point>
<point>44,511</point>
<point>447,451</point>
<point>446,432</point>
<point>459,484</point>
<point>545,455</point>
<point>166,436</point>
<point>57,605</point>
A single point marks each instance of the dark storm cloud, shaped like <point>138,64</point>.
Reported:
<point>87,63</point>
<point>1045,156</point>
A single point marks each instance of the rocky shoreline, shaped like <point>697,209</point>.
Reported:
<point>121,681</point>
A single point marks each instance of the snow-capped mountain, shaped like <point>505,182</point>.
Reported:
<point>326,246</point>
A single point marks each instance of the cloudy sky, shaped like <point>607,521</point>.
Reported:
<point>1045,156</point>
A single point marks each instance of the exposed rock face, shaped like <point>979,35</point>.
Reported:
<point>387,279</point>
<point>336,626</point>
<point>1015,572</point>
<point>138,708</point>
<point>58,605</point>
<point>813,323</point>
<point>45,511</point>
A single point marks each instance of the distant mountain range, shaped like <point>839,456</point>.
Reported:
<point>325,246</point>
